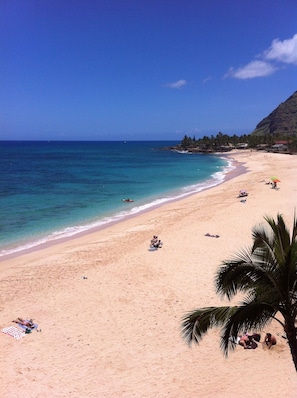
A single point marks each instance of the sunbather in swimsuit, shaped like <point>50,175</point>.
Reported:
<point>29,323</point>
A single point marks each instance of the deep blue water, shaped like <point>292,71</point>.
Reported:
<point>50,190</point>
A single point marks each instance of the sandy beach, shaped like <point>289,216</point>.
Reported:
<point>109,310</point>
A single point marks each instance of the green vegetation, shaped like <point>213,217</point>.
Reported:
<point>267,274</point>
<point>279,126</point>
<point>224,142</point>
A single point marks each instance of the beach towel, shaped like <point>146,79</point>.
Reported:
<point>153,249</point>
<point>14,332</point>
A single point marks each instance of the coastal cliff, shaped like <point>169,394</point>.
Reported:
<point>282,120</point>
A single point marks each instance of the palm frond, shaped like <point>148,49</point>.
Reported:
<point>267,274</point>
<point>233,320</point>
<point>244,272</point>
<point>252,316</point>
<point>277,238</point>
<point>195,324</point>
<point>262,238</point>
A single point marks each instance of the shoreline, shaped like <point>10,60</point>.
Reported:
<point>116,332</point>
<point>238,169</point>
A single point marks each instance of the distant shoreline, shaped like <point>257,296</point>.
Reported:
<point>239,168</point>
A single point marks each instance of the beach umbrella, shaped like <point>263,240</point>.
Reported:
<point>275,179</point>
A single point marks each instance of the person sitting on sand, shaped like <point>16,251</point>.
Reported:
<point>28,323</point>
<point>154,241</point>
<point>270,340</point>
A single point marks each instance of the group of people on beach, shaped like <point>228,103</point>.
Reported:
<point>249,341</point>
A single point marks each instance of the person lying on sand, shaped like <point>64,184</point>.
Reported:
<point>242,194</point>
<point>212,236</point>
<point>244,341</point>
<point>247,342</point>
<point>29,323</point>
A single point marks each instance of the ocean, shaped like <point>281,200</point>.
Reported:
<point>52,190</point>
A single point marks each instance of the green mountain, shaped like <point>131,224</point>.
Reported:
<point>282,121</point>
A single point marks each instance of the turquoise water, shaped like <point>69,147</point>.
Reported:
<point>50,190</point>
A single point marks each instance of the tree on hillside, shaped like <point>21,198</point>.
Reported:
<point>267,274</point>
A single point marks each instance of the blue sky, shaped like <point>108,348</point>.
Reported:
<point>143,70</point>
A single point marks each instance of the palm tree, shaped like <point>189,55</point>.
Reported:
<point>267,275</point>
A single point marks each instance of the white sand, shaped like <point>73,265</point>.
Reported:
<point>117,334</point>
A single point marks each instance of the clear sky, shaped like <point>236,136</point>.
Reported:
<point>143,69</point>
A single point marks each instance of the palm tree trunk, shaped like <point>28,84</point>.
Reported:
<point>292,341</point>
